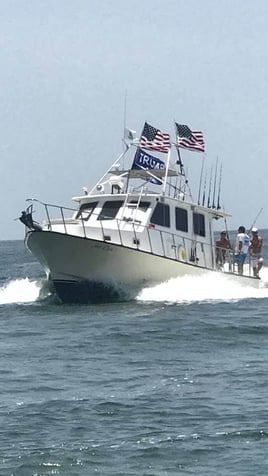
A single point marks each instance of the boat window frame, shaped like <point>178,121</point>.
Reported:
<point>165,222</point>
<point>184,220</point>
<point>142,206</point>
<point>83,209</point>
<point>199,224</point>
<point>116,208</point>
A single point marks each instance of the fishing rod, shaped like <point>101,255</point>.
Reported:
<point>255,219</point>
<point>228,237</point>
<point>209,190</point>
<point>215,182</point>
<point>226,227</point>
<point>200,181</point>
<point>204,190</point>
<point>219,191</point>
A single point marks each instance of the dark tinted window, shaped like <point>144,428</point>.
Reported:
<point>86,210</point>
<point>161,215</point>
<point>142,205</point>
<point>199,224</point>
<point>181,218</point>
<point>110,210</point>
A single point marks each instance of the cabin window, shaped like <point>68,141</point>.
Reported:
<point>110,210</point>
<point>143,206</point>
<point>161,215</point>
<point>199,224</point>
<point>181,218</point>
<point>85,211</point>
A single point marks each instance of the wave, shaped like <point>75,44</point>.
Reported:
<point>22,291</point>
<point>185,289</point>
<point>206,287</point>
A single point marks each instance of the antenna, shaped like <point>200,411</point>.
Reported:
<point>125,113</point>
<point>124,128</point>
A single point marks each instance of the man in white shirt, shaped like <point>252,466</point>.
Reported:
<point>241,248</point>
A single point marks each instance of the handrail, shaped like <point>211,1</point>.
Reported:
<point>175,237</point>
<point>52,205</point>
<point>149,239</point>
<point>162,241</point>
<point>48,217</point>
<point>62,215</point>
<point>161,233</point>
<point>119,232</point>
<point>83,225</point>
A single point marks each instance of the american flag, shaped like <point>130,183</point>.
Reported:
<point>154,139</point>
<point>191,140</point>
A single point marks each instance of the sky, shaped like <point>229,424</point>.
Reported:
<point>66,67</point>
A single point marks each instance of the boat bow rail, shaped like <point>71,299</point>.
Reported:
<point>126,232</point>
<point>130,233</point>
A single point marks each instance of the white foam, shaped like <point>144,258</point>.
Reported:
<point>20,291</point>
<point>208,287</point>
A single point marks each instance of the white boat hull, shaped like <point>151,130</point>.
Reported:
<point>87,270</point>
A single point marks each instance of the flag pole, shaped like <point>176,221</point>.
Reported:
<point>166,174</point>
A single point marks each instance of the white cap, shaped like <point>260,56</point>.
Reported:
<point>254,230</point>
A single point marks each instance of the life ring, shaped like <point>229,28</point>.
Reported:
<point>181,253</point>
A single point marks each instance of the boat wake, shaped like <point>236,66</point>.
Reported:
<point>23,291</point>
<point>186,289</point>
<point>208,287</point>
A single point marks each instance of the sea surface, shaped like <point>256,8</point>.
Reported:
<point>174,382</point>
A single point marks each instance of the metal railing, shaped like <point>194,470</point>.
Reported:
<point>134,235</point>
<point>227,260</point>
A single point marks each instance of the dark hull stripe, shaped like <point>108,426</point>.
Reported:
<point>85,292</point>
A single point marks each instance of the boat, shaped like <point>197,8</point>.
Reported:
<point>138,226</point>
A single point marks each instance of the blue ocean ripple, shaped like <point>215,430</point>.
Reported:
<point>131,388</point>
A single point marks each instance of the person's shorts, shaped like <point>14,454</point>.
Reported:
<point>240,258</point>
<point>255,259</point>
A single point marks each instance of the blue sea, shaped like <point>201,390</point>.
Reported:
<point>174,382</point>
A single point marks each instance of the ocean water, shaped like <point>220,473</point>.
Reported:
<point>171,383</point>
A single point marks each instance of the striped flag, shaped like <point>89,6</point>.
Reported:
<point>191,140</point>
<point>154,139</point>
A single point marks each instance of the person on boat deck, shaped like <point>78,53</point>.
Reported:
<point>222,245</point>
<point>255,249</point>
<point>241,248</point>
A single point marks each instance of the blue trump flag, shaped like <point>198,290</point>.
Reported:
<point>145,161</point>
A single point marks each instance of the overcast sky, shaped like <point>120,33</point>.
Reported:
<point>66,64</point>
